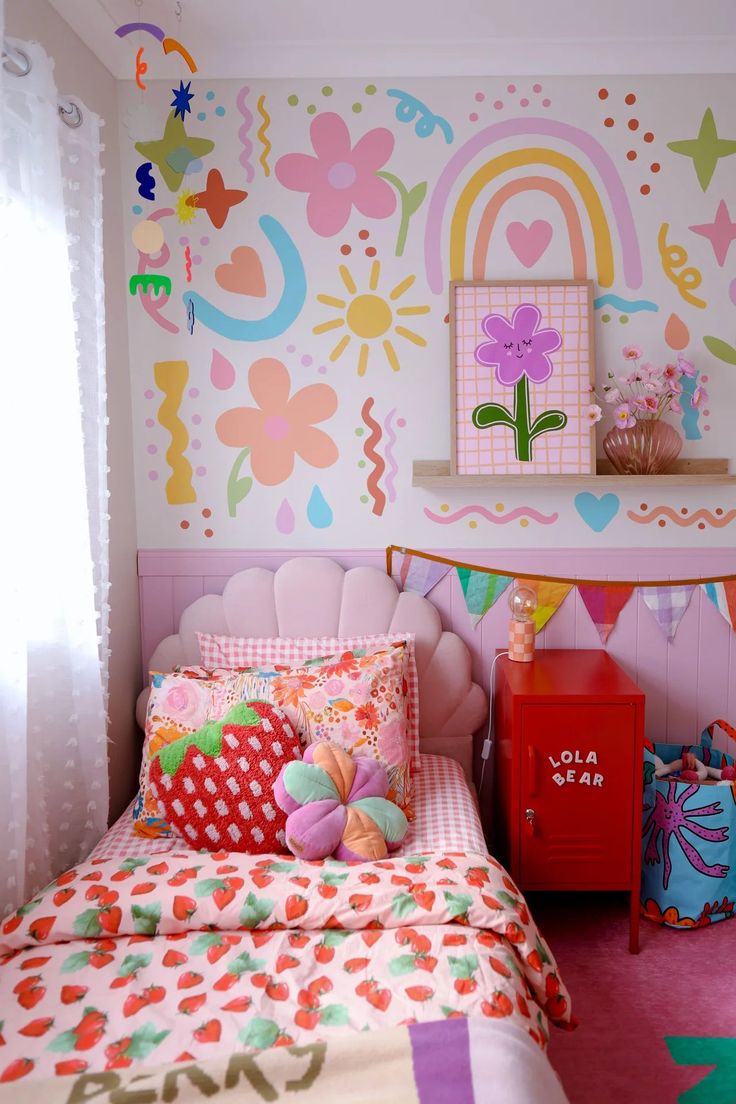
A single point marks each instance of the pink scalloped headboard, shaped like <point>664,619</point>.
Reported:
<point>314,596</point>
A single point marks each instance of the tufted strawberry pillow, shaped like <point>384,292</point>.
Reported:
<point>215,786</point>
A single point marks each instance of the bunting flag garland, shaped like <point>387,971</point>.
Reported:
<point>420,575</point>
<point>723,597</point>
<point>550,596</point>
<point>668,604</point>
<point>481,589</point>
<point>604,604</point>
<point>667,599</point>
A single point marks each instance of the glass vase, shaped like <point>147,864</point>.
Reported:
<point>649,448</point>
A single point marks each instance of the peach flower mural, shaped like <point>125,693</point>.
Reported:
<point>279,427</point>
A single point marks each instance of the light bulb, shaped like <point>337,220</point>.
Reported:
<point>522,603</point>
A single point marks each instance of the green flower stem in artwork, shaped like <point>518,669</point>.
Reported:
<point>238,488</point>
<point>525,430</point>
<point>410,200</point>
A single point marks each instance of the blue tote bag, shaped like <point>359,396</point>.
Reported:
<point>688,875</point>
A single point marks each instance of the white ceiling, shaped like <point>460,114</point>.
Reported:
<point>373,38</point>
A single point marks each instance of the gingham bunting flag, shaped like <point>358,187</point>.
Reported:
<point>550,597</point>
<point>668,604</point>
<point>604,604</point>
<point>481,589</point>
<point>420,575</point>
<point>723,597</point>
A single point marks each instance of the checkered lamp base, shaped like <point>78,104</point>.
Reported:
<point>521,641</point>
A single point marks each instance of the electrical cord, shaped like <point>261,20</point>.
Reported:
<point>488,742</point>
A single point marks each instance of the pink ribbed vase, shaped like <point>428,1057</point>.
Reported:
<point>650,448</point>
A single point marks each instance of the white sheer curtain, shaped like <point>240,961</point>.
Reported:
<point>53,506</point>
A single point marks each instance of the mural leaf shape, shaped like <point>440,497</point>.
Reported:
<point>238,487</point>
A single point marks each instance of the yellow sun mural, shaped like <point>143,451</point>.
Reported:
<point>184,212</point>
<point>371,318</point>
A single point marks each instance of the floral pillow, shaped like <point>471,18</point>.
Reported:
<point>179,704</point>
<point>239,651</point>
<point>356,701</point>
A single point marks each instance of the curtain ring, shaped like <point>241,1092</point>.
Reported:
<point>70,115</point>
<point>11,65</point>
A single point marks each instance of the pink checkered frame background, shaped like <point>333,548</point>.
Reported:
<point>566,305</point>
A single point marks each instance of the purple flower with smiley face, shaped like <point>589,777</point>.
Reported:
<point>517,347</point>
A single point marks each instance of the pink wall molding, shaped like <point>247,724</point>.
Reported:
<point>688,683</point>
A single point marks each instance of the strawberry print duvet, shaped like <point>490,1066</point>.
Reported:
<point>191,956</point>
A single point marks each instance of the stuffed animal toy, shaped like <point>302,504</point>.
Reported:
<point>690,769</point>
<point>337,805</point>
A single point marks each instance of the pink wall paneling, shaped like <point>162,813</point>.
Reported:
<point>688,683</point>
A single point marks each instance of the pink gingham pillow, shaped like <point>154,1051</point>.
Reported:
<point>239,651</point>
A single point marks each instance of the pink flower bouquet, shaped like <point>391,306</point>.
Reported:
<point>650,391</point>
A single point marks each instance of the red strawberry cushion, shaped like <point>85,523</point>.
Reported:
<point>215,786</point>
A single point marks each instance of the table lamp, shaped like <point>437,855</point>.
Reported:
<point>523,604</point>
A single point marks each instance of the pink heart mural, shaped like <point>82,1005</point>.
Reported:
<point>244,274</point>
<point>529,242</point>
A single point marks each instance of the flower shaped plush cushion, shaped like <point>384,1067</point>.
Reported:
<point>337,806</point>
<point>216,785</point>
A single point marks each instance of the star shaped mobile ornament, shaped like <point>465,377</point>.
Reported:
<point>216,199</point>
<point>174,151</point>
<point>181,99</point>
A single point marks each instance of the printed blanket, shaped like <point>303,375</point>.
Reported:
<point>191,956</point>
<point>475,1061</point>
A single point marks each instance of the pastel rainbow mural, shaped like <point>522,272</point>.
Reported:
<point>531,184</point>
<point>487,174</point>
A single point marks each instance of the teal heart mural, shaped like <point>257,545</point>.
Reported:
<point>597,513</point>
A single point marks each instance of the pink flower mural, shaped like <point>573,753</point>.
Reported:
<point>341,176</point>
<point>280,427</point>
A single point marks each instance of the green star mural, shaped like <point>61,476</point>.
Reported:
<point>174,151</point>
<point>706,150</point>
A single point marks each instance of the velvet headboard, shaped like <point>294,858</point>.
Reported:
<point>314,596</point>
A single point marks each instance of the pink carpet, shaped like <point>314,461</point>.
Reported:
<point>682,984</point>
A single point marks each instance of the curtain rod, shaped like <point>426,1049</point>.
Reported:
<point>18,64</point>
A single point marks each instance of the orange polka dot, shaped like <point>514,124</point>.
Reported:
<point>631,155</point>
<point>363,234</point>
<point>643,506</point>
<point>345,250</point>
<point>183,524</point>
<point>370,251</point>
<point>701,525</point>
<point>719,511</point>
<point>649,137</point>
<point>602,93</point>
<point>630,99</point>
<point>633,124</point>
<point>655,166</point>
<point>209,533</point>
<point>206,512</point>
<point>683,509</point>
<point>661,523</point>
<point>608,122</point>
<point>645,189</point>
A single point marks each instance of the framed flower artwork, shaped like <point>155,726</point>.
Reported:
<point>522,373</point>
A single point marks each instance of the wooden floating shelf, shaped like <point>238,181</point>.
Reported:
<point>436,473</point>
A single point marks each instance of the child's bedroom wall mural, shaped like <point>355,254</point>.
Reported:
<point>290,248</point>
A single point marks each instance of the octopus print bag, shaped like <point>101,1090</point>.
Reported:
<point>688,870</point>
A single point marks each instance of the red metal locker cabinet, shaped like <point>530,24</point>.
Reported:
<point>568,774</point>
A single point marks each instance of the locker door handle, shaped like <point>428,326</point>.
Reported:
<point>532,762</point>
<point>529,815</point>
